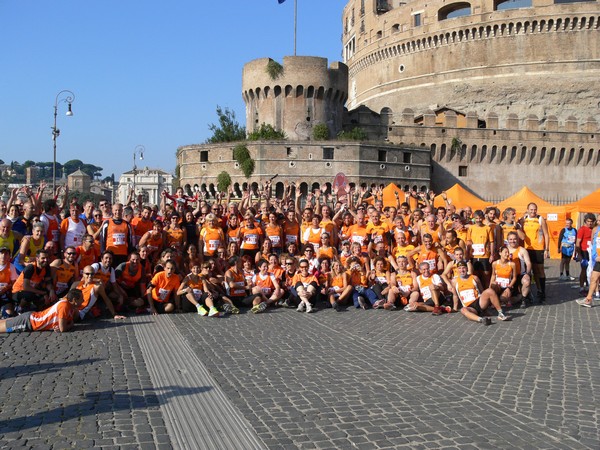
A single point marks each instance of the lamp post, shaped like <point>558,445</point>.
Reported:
<point>139,150</point>
<point>67,98</point>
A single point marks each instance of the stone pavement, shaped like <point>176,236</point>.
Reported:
<point>358,379</point>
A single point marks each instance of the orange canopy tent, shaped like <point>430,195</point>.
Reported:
<point>555,215</point>
<point>588,204</point>
<point>460,197</point>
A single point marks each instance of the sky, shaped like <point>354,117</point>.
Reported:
<point>145,73</point>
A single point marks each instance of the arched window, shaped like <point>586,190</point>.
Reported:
<point>454,10</point>
<point>502,5</point>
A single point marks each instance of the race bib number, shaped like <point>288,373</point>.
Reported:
<point>377,238</point>
<point>163,294</point>
<point>119,239</point>
<point>290,238</point>
<point>502,282</point>
<point>571,239</point>
<point>266,290</point>
<point>275,240</point>
<point>358,239</point>
<point>432,264</point>
<point>381,280</point>
<point>61,286</point>
<point>426,293</point>
<point>252,239</point>
<point>55,235</point>
<point>467,297</point>
<point>197,294</point>
<point>478,249</point>
<point>213,244</point>
<point>404,289</point>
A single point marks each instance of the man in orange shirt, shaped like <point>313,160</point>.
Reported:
<point>141,225</point>
<point>58,317</point>
<point>116,235</point>
<point>162,289</point>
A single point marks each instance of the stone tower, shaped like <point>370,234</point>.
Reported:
<point>305,93</point>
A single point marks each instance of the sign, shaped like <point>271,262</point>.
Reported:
<point>552,218</point>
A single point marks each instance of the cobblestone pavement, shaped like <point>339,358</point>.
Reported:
<point>358,379</point>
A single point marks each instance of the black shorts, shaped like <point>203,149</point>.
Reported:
<point>536,256</point>
<point>585,255</point>
<point>242,302</point>
<point>482,265</point>
<point>19,323</point>
<point>475,305</point>
<point>160,306</point>
<point>596,266</point>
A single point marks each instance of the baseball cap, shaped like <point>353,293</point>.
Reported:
<point>461,264</point>
<point>5,249</point>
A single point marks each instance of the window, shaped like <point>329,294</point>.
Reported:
<point>382,156</point>
<point>327,152</point>
<point>204,156</point>
<point>462,171</point>
<point>407,158</point>
<point>417,19</point>
<point>291,152</point>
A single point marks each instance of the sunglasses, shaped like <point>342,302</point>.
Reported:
<point>88,274</point>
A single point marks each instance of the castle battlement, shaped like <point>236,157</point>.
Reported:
<point>303,93</point>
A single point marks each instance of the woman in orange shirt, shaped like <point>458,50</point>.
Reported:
<point>275,234</point>
<point>338,288</point>
<point>504,276</point>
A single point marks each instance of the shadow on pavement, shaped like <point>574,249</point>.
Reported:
<point>42,368</point>
<point>100,402</point>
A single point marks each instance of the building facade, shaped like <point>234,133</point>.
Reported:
<point>147,182</point>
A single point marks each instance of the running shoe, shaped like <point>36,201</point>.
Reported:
<point>309,308</point>
<point>227,307</point>
<point>389,306</point>
<point>584,302</point>
<point>446,309</point>
<point>378,304</point>
<point>259,308</point>
<point>201,310</point>
<point>410,308</point>
<point>335,306</point>
<point>213,312</point>
<point>503,317</point>
<point>235,309</point>
<point>485,321</point>
<point>301,307</point>
<point>563,278</point>
<point>437,311</point>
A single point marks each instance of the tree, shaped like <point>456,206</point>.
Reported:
<point>223,181</point>
<point>72,165</point>
<point>266,132</point>
<point>228,129</point>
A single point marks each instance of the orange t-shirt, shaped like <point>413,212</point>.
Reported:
<point>48,319</point>
<point>164,286</point>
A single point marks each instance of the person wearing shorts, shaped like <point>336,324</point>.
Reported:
<point>58,317</point>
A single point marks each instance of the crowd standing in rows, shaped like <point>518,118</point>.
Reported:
<point>325,249</point>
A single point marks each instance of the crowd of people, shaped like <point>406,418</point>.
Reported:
<point>62,261</point>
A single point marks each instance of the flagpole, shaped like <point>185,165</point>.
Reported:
<point>295,23</point>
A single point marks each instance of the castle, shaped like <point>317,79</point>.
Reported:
<point>492,94</point>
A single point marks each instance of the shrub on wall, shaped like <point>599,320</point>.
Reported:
<point>274,69</point>
<point>242,156</point>
<point>321,132</point>
<point>223,181</point>
<point>356,134</point>
<point>266,132</point>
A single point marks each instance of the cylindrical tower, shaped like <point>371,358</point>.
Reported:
<point>513,57</point>
<point>296,96</point>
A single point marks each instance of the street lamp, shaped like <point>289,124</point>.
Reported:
<point>68,98</point>
<point>139,150</point>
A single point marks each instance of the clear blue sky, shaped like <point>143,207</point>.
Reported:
<point>143,72</point>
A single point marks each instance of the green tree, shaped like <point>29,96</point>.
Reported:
<point>228,129</point>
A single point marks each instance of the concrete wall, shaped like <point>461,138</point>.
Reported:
<point>304,162</point>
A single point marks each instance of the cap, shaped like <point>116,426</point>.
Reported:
<point>455,216</point>
<point>5,249</point>
<point>461,264</point>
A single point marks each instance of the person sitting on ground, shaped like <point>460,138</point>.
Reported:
<point>357,277</point>
<point>131,279</point>
<point>339,291</point>
<point>306,286</point>
<point>474,298</point>
<point>430,287</point>
<point>34,287</point>
<point>58,317</point>
<point>504,277</point>
<point>266,285</point>
<point>403,285</point>
<point>237,287</point>
<point>8,275</point>
<point>92,290</point>
<point>379,281</point>
<point>593,269</point>
<point>65,271</point>
<point>194,291</point>
<point>161,292</point>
